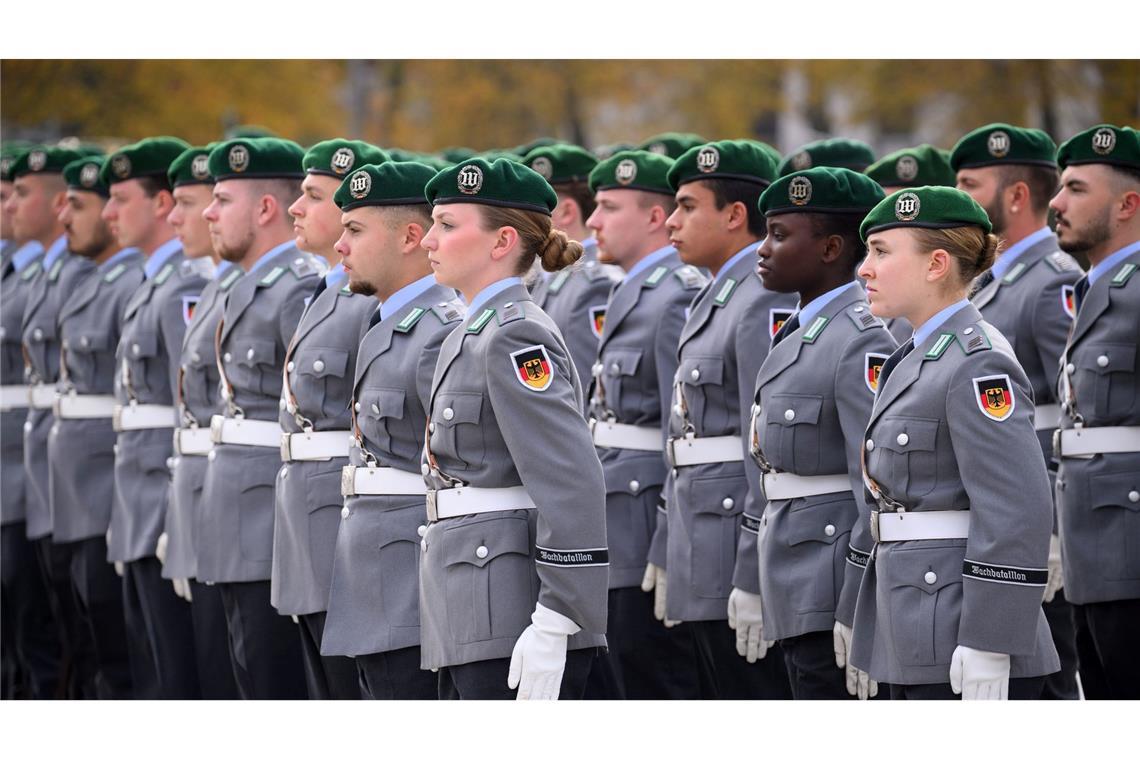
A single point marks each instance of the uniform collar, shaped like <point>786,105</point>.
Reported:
<point>1009,256</point>
<point>817,304</point>
<point>335,275</point>
<point>24,256</point>
<point>270,254</point>
<point>57,249</point>
<point>649,261</point>
<point>405,295</point>
<point>117,257</point>
<point>222,267</point>
<point>939,319</point>
<point>1112,260</point>
<point>489,292</point>
<point>747,250</point>
<point>161,255</point>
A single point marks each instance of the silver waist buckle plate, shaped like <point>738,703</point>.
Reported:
<point>347,479</point>
<point>286,450</point>
<point>216,424</point>
<point>117,418</point>
<point>432,509</point>
<point>875,526</point>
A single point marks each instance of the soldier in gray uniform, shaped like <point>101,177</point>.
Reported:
<point>1098,483</point>
<point>575,298</point>
<point>315,401</point>
<point>629,402</point>
<point>147,363</point>
<point>373,607</point>
<point>1028,296</point>
<point>516,500</point>
<point>255,181</point>
<point>813,398</point>
<point>718,225</point>
<point>950,601</point>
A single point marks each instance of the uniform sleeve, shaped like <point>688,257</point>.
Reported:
<point>1010,517</point>
<point>172,324</point>
<point>550,445</point>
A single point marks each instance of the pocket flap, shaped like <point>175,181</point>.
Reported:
<point>822,521</point>
<point>905,434</point>
<point>321,362</point>
<point>789,409</point>
<point>1116,489</point>
<point>622,361</point>
<point>723,496</point>
<point>1109,357</point>
<point>88,342</point>
<point>464,408</point>
<point>701,370</point>
<point>480,542</point>
<point>634,474</point>
<point>928,568</point>
<point>252,352</point>
<point>376,403</point>
<point>142,345</point>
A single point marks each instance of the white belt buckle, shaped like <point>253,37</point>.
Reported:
<point>287,450</point>
<point>347,480</point>
<point>217,422</point>
<point>117,418</point>
<point>432,507</point>
<point>875,526</point>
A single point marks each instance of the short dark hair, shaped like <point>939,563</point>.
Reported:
<point>1042,182</point>
<point>726,191</point>
<point>579,192</point>
<point>647,200</point>
<point>153,184</point>
<point>846,226</point>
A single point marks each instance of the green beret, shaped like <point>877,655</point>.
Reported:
<point>672,144</point>
<point>457,154</point>
<point>336,158</point>
<point>822,190</point>
<point>41,159</point>
<point>840,152</point>
<point>633,170</point>
<point>561,163</point>
<point>541,142</point>
<point>490,156</point>
<point>746,160</point>
<point>603,152</point>
<point>913,167</point>
<point>192,167</point>
<point>927,207</point>
<point>150,157</point>
<point>248,130</point>
<point>257,158</point>
<point>436,162</point>
<point>84,174</point>
<point>1102,144</point>
<point>390,183</point>
<point>999,143</point>
<point>502,183</point>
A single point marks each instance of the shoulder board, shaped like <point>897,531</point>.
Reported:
<point>940,346</point>
<point>725,292</point>
<point>230,279</point>
<point>273,276</point>
<point>116,270</point>
<point>481,321</point>
<point>1060,262</point>
<point>863,318</point>
<point>511,312</point>
<point>53,275</point>
<point>410,319</point>
<point>448,312</point>
<point>1012,275</point>
<point>304,266</point>
<point>164,274</point>
<point>814,329</point>
<point>1123,275</point>
<point>558,281</point>
<point>30,270</point>
<point>654,278</point>
<point>974,339</point>
<point>691,278</point>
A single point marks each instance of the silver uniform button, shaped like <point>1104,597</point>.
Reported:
<point>870,445</point>
<point>84,341</point>
<point>356,406</point>
<point>1134,496</point>
<point>37,334</point>
<point>829,530</point>
<point>481,552</point>
<point>170,463</point>
<point>212,455</point>
<point>185,367</point>
<point>284,472</point>
<point>298,262</point>
<point>1070,368</point>
<point>967,331</point>
<point>695,374</point>
<point>448,413</point>
<point>115,449</point>
<point>858,309</point>
<point>135,349</point>
<point>318,366</point>
<point>249,354</point>
<point>344,513</point>
<point>227,357</point>
<point>290,366</point>
<point>421,530</point>
<point>903,439</point>
<point>931,577</point>
<point>728,503</point>
<point>634,485</point>
<point>431,427</point>
<point>615,367</point>
<point>375,409</point>
<point>281,403</point>
<point>597,369</point>
<point>197,357</point>
<point>27,427</point>
<point>789,414</point>
<point>1102,361</point>
<point>424,468</point>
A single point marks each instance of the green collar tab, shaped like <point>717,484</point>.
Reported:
<point>273,276</point>
<point>481,321</point>
<point>229,279</point>
<point>726,292</point>
<point>1012,275</point>
<point>557,283</point>
<point>940,346</point>
<point>164,275</point>
<point>113,275</point>
<point>410,319</point>
<point>1123,275</point>
<point>653,279</point>
<point>815,329</point>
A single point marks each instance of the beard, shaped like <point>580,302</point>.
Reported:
<point>234,252</point>
<point>996,215</point>
<point>1083,240</point>
<point>100,240</point>
<point>360,287</point>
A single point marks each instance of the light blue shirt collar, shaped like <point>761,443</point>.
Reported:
<point>161,255</point>
<point>932,324</point>
<point>115,259</point>
<point>1009,256</point>
<point>270,254</point>
<point>489,292</point>
<point>1112,260</point>
<point>335,275</point>
<point>816,305</point>
<point>588,242</point>
<point>25,254</point>
<point>649,261</point>
<point>57,249</point>
<point>404,296</point>
<point>748,250</point>
<point>222,267</point>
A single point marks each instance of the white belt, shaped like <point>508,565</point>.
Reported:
<point>612,435</point>
<point>380,481</point>
<point>245,432</point>
<point>466,500</point>
<point>42,396</point>
<point>785,485</point>
<point>315,447</point>
<point>14,397</point>
<point>1099,440</point>
<point>1047,417</point>
<point>193,442</point>
<point>689,451</point>
<point>143,417</point>
<point>917,526</point>
<point>71,406</point>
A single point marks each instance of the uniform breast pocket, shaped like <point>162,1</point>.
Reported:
<point>491,578</point>
<point>200,379</point>
<point>1110,370</point>
<point>791,436</point>
<point>455,430</point>
<point>619,370</point>
<point>702,382</point>
<point>1115,499</point>
<point>83,352</point>
<point>817,535</point>
<point>319,380</point>
<point>256,361</point>
<point>255,511</point>
<point>146,373</point>
<point>925,602</point>
<point>717,505</point>
<point>904,461</point>
<point>324,503</point>
<point>381,417</point>
<point>399,561</point>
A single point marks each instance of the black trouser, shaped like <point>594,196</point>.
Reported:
<point>100,595</point>
<point>396,675</point>
<point>732,675</point>
<point>79,664</point>
<point>36,651</point>
<point>325,677</point>
<point>812,673</point>
<point>646,660</point>
<point>487,679</point>
<point>1019,688</point>
<point>264,648</point>
<point>163,623</point>
<point>1107,637</point>
<point>1063,683</point>
<point>211,647</point>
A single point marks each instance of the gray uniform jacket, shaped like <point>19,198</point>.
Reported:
<point>234,540</point>
<point>149,357</point>
<point>814,394</point>
<point>50,289</point>
<point>952,429</point>
<point>480,575</point>
<point>374,601</point>
<point>637,360</point>
<point>199,399</point>
<point>14,290</point>
<point>1099,497</point>
<point>319,365</point>
<point>575,298</point>
<point>81,452</point>
<point>722,346</point>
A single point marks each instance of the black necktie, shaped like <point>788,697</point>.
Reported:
<point>376,318</point>
<point>319,289</point>
<point>893,361</point>
<point>791,324</point>
<point>1080,287</point>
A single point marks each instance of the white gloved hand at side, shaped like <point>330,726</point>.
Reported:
<point>979,675</point>
<point>160,548</point>
<point>120,569</point>
<point>859,682</point>
<point>182,588</point>
<point>1056,579</point>
<point>539,656</point>
<point>654,580</point>
<point>746,617</point>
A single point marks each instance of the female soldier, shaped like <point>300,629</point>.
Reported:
<point>952,591</point>
<point>516,498</point>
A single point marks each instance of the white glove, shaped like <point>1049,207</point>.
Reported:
<point>160,548</point>
<point>979,675</point>
<point>859,682</point>
<point>539,656</point>
<point>1056,579</point>
<point>654,580</point>
<point>182,588</point>
<point>120,569</point>
<point>746,617</point>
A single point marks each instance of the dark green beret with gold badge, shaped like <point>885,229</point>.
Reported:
<point>503,183</point>
<point>192,167</point>
<point>257,158</point>
<point>840,152</point>
<point>390,183</point>
<point>672,144</point>
<point>999,143</point>
<point>84,174</point>
<point>336,158</point>
<point>150,157</point>
<point>913,167</point>
<point>927,207</point>
<point>744,160</point>
<point>823,190</point>
<point>42,159</point>
<point>633,170</point>
<point>561,163</point>
<point>1102,144</point>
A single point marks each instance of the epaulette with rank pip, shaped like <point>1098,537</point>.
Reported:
<point>449,311</point>
<point>1060,262</point>
<point>691,277</point>
<point>863,318</point>
<point>511,312</point>
<point>306,266</point>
